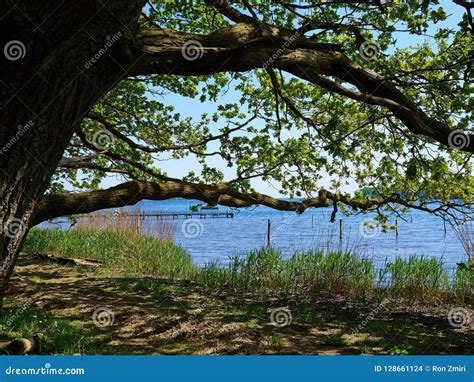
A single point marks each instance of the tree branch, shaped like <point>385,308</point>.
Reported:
<point>245,46</point>
<point>129,193</point>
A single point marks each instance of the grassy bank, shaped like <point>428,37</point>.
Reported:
<point>333,303</point>
<point>163,316</point>
<point>121,251</point>
<point>265,273</point>
<point>262,273</point>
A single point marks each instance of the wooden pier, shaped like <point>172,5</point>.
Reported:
<point>190,215</point>
<point>171,215</point>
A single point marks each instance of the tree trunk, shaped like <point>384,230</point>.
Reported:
<point>59,59</point>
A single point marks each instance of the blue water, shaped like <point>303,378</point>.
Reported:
<point>217,239</point>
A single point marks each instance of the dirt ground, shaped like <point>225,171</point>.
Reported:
<point>117,315</point>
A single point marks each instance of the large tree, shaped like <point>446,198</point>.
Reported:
<point>320,90</point>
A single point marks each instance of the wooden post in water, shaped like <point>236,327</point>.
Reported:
<point>396,228</point>
<point>340,229</point>
<point>268,232</point>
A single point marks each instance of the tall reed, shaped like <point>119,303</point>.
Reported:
<point>465,234</point>
<point>132,222</point>
<point>264,271</point>
<point>417,277</point>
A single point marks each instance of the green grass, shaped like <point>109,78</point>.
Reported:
<point>121,252</point>
<point>463,282</point>
<point>398,350</point>
<point>417,276</point>
<point>424,278</point>
<point>62,336</point>
<point>275,340</point>
<point>163,316</point>
<point>243,292</point>
<point>264,272</point>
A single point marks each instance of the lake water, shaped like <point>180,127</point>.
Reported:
<point>217,239</point>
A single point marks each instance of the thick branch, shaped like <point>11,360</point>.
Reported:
<point>224,8</point>
<point>129,193</point>
<point>246,46</point>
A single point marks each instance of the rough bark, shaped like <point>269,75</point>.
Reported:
<point>47,85</point>
<point>130,193</point>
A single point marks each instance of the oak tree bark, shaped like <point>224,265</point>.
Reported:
<point>59,63</point>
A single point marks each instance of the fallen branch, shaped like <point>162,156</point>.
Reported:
<point>68,261</point>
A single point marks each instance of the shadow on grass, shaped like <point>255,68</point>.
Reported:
<point>158,316</point>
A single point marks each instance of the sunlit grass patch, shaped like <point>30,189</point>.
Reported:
<point>61,336</point>
<point>267,274</point>
<point>417,276</point>
<point>119,251</point>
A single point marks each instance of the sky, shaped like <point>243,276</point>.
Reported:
<point>194,108</point>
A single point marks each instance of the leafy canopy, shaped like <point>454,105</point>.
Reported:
<point>318,137</point>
